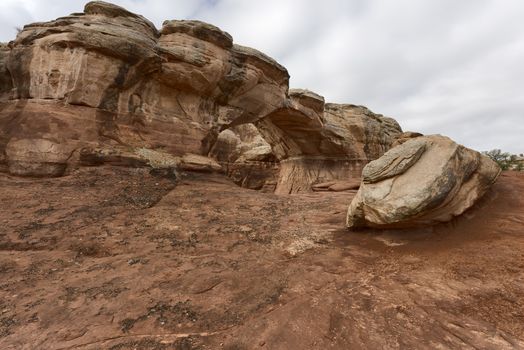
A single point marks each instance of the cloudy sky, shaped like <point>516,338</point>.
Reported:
<point>437,66</point>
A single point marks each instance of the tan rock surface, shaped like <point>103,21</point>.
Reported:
<point>108,79</point>
<point>246,157</point>
<point>128,157</point>
<point>317,142</point>
<point>426,180</point>
<point>337,186</point>
<point>405,136</point>
<point>195,162</point>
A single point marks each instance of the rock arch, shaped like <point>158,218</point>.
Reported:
<point>317,142</point>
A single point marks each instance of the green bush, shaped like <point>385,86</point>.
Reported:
<point>505,160</point>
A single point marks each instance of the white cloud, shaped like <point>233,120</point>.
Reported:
<point>437,66</point>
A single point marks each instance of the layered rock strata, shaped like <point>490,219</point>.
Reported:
<point>106,81</point>
<point>317,142</point>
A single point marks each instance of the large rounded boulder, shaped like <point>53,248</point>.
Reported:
<point>424,181</point>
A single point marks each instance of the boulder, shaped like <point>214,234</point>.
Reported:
<point>423,181</point>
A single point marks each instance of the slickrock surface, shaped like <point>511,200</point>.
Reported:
<point>123,226</point>
<point>117,258</point>
<point>108,79</point>
<point>425,180</point>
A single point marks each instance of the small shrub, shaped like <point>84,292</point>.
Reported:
<point>505,160</point>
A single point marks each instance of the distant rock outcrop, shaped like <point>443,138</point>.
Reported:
<point>423,181</point>
<point>107,79</point>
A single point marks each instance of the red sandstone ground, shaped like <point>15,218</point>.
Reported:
<point>116,258</point>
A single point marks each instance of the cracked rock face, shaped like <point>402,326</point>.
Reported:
<point>423,181</point>
<point>107,79</point>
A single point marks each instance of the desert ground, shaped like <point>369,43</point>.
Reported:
<point>121,258</point>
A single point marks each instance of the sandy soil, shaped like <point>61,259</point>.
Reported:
<point>116,258</point>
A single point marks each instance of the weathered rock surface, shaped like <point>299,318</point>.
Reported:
<point>336,186</point>
<point>36,157</point>
<point>107,79</point>
<point>317,142</point>
<point>144,157</point>
<point>405,136</point>
<point>426,180</point>
<point>247,157</point>
<point>5,77</point>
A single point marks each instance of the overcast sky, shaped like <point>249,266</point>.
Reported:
<point>437,66</point>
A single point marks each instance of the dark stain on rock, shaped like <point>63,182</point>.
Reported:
<point>368,136</point>
<point>12,123</point>
<point>232,81</point>
<point>129,74</point>
<point>19,67</point>
<point>137,116</point>
<point>6,82</point>
<point>107,111</point>
<point>209,140</point>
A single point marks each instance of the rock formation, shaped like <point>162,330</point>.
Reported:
<point>107,82</point>
<point>246,157</point>
<point>405,136</point>
<point>317,142</point>
<point>423,181</point>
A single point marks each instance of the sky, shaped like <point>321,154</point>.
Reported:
<point>437,66</point>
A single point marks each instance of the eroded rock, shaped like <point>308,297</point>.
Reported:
<point>426,180</point>
<point>5,77</point>
<point>317,142</point>
<point>37,157</point>
<point>336,186</point>
<point>108,80</point>
<point>405,136</point>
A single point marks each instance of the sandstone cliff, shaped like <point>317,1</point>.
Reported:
<point>106,81</point>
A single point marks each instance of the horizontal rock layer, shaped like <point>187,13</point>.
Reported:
<point>107,78</point>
